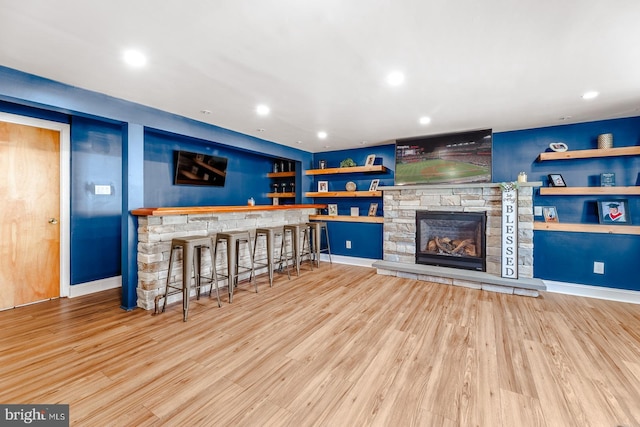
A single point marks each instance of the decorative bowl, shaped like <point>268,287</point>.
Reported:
<point>351,186</point>
<point>558,146</point>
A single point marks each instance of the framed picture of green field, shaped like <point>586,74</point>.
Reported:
<point>456,158</point>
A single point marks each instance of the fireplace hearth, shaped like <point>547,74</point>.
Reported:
<point>451,239</point>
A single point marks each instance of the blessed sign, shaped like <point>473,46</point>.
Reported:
<point>509,231</point>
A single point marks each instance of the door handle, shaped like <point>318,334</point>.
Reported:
<point>53,221</point>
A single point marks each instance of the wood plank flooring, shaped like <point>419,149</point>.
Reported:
<point>339,346</point>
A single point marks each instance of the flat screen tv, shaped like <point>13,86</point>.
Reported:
<point>199,169</point>
<point>455,158</point>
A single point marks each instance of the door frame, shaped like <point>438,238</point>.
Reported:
<point>65,186</point>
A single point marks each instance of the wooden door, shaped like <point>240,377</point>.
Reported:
<point>29,214</point>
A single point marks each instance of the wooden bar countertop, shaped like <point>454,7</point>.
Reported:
<point>187,210</point>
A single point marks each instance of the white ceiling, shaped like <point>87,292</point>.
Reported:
<point>322,64</point>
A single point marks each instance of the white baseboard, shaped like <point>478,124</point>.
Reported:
<point>600,292</point>
<point>95,286</point>
<point>341,259</point>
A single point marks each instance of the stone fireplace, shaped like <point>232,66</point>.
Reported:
<point>401,205</point>
<point>451,239</point>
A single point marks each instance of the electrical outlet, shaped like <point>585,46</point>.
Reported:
<point>348,243</point>
<point>598,267</point>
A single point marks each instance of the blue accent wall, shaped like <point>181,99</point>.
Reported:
<point>241,183</point>
<point>569,257</point>
<point>96,159</point>
<point>365,238</point>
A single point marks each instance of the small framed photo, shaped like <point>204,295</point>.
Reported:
<point>371,159</point>
<point>556,180</point>
<point>614,211</point>
<point>323,186</point>
<point>322,164</point>
<point>373,209</point>
<point>608,179</point>
<point>550,214</point>
<point>332,209</point>
<point>374,185</point>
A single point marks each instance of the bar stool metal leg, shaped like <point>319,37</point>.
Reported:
<point>300,250</point>
<point>192,247</point>
<point>232,240</point>
<point>317,228</point>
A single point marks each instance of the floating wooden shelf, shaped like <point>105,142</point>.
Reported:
<point>587,228</point>
<point>347,218</point>
<point>281,174</point>
<point>281,195</point>
<point>355,169</point>
<point>344,194</point>
<point>579,191</point>
<point>587,154</point>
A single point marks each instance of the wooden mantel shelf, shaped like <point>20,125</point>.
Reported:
<point>588,154</point>
<point>347,218</point>
<point>354,169</point>
<point>586,228</point>
<point>188,210</point>
<point>579,191</point>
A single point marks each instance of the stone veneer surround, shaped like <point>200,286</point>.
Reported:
<point>155,234</point>
<point>402,202</point>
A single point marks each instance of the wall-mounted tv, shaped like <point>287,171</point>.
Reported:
<point>455,158</point>
<point>199,169</point>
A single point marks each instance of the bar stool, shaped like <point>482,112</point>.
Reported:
<point>269,235</point>
<point>191,263</point>
<point>316,247</point>
<point>300,250</point>
<point>233,240</point>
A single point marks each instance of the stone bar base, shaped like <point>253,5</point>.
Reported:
<point>155,231</point>
<point>457,277</point>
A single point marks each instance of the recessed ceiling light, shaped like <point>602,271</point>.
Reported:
<point>395,78</point>
<point>299,142</point>
<point>206,112</point>
<point>322,135</point>
<point>564,118</point>
<point>590,95</point>
<point>262,110</point>
<point>260,130</point>
<point>134,58</point>
<point>424,120</point>
<point>363,142</point>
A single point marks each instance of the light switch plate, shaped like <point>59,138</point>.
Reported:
<point>102,190</point>
<point>537,210</point>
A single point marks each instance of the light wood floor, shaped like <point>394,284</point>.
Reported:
<point>341,346</point>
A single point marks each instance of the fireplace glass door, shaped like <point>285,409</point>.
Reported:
<point>451,239</point>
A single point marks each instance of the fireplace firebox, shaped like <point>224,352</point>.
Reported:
<point>451,239</point>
